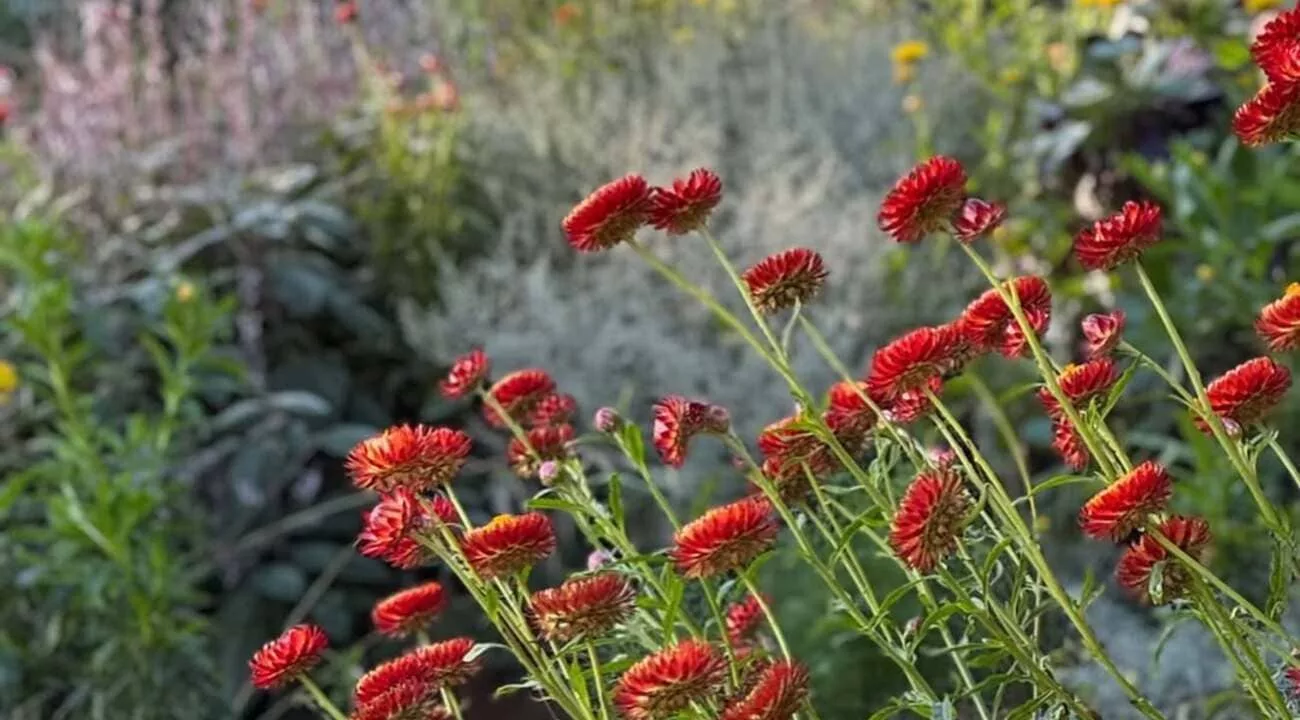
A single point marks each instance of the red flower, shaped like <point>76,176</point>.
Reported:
<point>1101,333</point>
<point>963,352</point>
<point>1119,238</point>
<point>782,280</point>
<point>1273,115</point>
<point>610,215</point>
<point>410,700</point>
<point>388,529</point>
<point>784,439</point>
<point>912,405</point>
<point>415,457</point>
<point>791,453</point>
<point>345,13</point>
<point>929,519</point>
<point>687,205</point>
<point>467,373</point>
<point>1277,48</point>
<point>1069,444</point>
<point>911,362</point>
<point>519,394</point>
<point>1245,394</point>
<point>677,420</point>
<point>1279,321</point>
<point>989,323</point>
<point>924,200</point>
<point>778,693</point>
<point>442,664</point>
<point>405,612</point>
<point>977,218</point>
<point>554,409</point>
<point>1138,564</point>
<point>667,682</point>
<point>1115,512</point>
<point>743,619</point>
<point>548,442</point>
<point>725,538</point>
<point>1292,674</point>
<point>584,607</point>
<point>847,411</point>
<point>1081,384</point>
<point>282,660</point>
<point>509,543</point>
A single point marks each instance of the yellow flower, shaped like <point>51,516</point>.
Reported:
<point>8,378</point>
<point>1204,273</point>
<point>185,291</point>
<point>910,52</point>
<point>1259,6</point>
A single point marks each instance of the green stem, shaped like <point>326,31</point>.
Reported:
<point>453,704</point>
<point>752,587</point>
<point>1283,458</point>
<point>599,680</point>
<point>322,700</point>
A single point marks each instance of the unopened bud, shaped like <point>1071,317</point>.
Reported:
<point>548,471</point>
<point>599,559</point>
<point>607,420</point>
<point>718,419</point>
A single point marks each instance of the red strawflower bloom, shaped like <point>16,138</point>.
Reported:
<point>585,607</point>
<point>1118,510</point>
<point>989,323</point>
<point>929,519</point>
<point>1115,240</point>
<point>911,362</point>
<point>442,664</point>
<point>924,200</point>
<point>410,700</point>
<point>787,449</point>
<point>912,405</point>
<point>667,682</point>
<point>282,660</point>
<point>1101,333</point>
<point>1081,384</point>
<point>677,420</point>
<point>1069,444</point>
<point>779,691</point>
<point>610,215</point>
<point>415,457</point>
<point>554,409</point>
<point>405,612</point>
<point>977,218</point>
<point>743,619</point>
<point>1245,394</point>
<point>467,373</point>
<point>548,442</point>
<point>508,544</point>
<point>781,280</point>
<point>1277,48</point>
<point>790,479</point>
<point>847,410</point>
<point>518,393</point>
<point>1272,115</point>
<point>963,352</point>
<point>387,530</point>
<point>345,13</point>
<point>1138,564</point>
<point>784,439</point>
<point>1279,321</point>
<point>725,538</point>
<point>686,206</point>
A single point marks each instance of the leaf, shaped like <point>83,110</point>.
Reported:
<point>512,688</point>
<point>1060,481</point>
<point>554,503</point>
<point>1091,589</point>
<point>630,441</point>
<point>279,581</point>
<point>301,288</point>
<point>615,500</point>
<point>1278,581</point>
<point>299,402</point>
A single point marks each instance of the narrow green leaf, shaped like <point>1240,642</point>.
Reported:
<point>555,503</point>
<point>615,500</point>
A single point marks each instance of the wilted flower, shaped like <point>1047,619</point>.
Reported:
<point>1069,444</point>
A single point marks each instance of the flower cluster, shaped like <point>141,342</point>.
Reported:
<point>1273,114</point>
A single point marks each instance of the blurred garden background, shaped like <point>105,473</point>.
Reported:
<point>239,236</point>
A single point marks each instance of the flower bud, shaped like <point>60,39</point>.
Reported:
<point>548,471</point>
<point>599,559</point>
<point>607,420</point>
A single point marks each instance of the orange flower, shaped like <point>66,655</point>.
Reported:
<point>924,200</point>
<point>1137,566</point>
<point>509,544</point>
<point>442,664</point>
<point>910,362</point>
<point>467,373</point>
<point>779,691</point>
<point>405,612</point>
<point>519,394</point>
<point>285,658</point>
<point>725,538</point>
<point>1279,321</point>
<point>1115,240</point>
<point>1247,393</point>
<point>610,215</point>
<point>584,607</point>
<point>677,420</point>
<point>686,206</point>
<point>988,322</point>
<point>667,682</point>
<point>1115,512</point>
<point>415,457</point>
<point>929,519</point>
<point>785,279</point>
